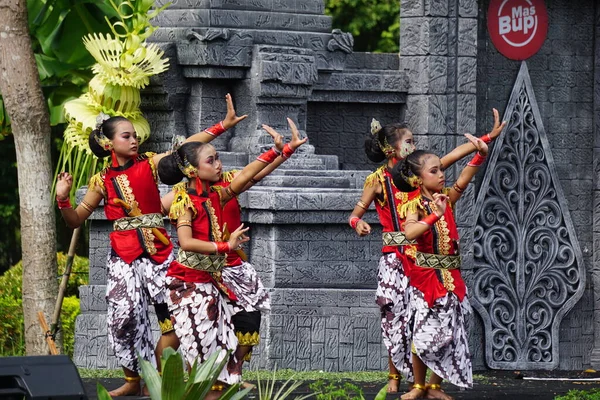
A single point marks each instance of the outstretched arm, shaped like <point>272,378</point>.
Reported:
<point>251,170</point>
<point>286,152</point>
<point>209,134</point>
<point>467,148</point>
<point>75,217</point>
<point>470,170</point>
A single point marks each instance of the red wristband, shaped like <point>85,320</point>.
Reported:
<point>487,139</point>
<point>430,220</point>
<point>66,203</point>
<point>354,222</point>
<point>476,161</point>
<point>268,156</point>
<point>223,247</point>
<point>287,151</point>
<point>216,129</point>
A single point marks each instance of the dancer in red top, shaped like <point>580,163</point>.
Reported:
<point>436,314</point>
<point>140,247</point>
<point>393,143</point>
<point>201,301</point>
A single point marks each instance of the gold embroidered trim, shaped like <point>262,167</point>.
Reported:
<point>166,326</point>
<point>181,202</point>
<point>396,239</point>
<point>212,263</point>
<point>141,221</point>
<point>248,339</point>
<point>437,261</point>
<point>214,223</point>
<point>448,280</point>
<point>149,240</point>
<point>125,186</point>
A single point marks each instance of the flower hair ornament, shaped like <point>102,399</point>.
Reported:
<point>409,177</point>
<point>184,165</point>
<point>385,147</point>
<point>100,137</point>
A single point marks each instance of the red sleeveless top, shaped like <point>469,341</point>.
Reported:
<point>136,181</point>
<point>441,238</point>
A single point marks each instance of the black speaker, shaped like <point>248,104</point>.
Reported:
<point>40,377</point>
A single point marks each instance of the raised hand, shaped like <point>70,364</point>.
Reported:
<point>479,144</point>
<point>498,127</point>
<point>296,141</point>
<point>237,237</point>
<point>277,138</point>
<point>441,201</point>
<point>63,185</point>
<point>231,119</point>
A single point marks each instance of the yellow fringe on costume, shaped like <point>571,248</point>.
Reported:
<point>166,326</point>
<point>229,175</point>
<point>248,339</point>
<point>181,202</point>
<point>97,182</point>
<point>377,177</point>
<point>410,207</point>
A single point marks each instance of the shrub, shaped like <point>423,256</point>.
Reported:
<point>593,394</point>
<point>12,340</point>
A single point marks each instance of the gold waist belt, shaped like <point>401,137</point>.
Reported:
<point>396,239</point>
<point>141,221</point>
<point>212,263</point>
<point>437,261</point>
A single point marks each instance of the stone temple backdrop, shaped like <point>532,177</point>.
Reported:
<point>281,58</point>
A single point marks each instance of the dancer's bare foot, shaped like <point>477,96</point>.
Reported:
<point>417,392</point>
<point>129,388</point>
<point>435,392</point>
<point>394,380</point>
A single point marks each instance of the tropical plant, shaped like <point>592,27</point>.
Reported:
<point>266,390</point>
<point>593,394</point>
<point>124,64</point>
<point>172,384</point>
<point>333,390</point>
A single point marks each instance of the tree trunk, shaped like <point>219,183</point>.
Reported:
<point>22,94</point>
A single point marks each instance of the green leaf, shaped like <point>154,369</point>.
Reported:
<point>151,378</point>
<point>102,392</point>
<point>382,394</point>
<point>173,385</point>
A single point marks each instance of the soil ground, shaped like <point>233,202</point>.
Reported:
<point>511,385</point>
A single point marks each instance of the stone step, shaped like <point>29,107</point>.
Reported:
<point>307,181</point>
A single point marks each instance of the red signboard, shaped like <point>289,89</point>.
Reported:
<point>517,27</point>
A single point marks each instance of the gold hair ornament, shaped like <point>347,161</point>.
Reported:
<point>100,137</point>
<point>385,147</point>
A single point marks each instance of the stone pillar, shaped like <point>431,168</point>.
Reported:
<point>595,265</point>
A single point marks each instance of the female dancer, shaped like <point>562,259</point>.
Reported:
<point>201,302</point>
<point>393,143</point>
<point>140,247</point>
<point>437,292</point>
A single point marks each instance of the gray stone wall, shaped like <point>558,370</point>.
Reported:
<point>340,129</point>
<point>562,74</point>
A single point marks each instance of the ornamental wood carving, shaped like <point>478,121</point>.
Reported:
<point>528,267</point>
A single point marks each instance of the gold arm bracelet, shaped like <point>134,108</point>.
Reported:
<point>362,205</point>
<point>87,206</point>
<point>458,188</point>
<point>230,192</point>
<point>184,222</point>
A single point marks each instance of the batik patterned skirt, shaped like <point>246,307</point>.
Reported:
<point>130,290</point>
<point>202,320</point>
<point>440,338</point>
<point>247,286</point>
<point>392,299</point>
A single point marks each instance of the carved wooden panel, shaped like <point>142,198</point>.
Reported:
<point>528,267</point>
